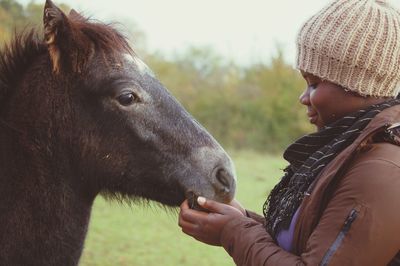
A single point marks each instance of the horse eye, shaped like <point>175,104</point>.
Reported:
<point>127,98</point>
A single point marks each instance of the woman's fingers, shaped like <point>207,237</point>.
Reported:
<point>187,227</point>
<point>211,205</point>
<point>236,204</point>
<point>216,207</point>
<point>190,215</point>
<point>185,205</point>
<point>206,226</point>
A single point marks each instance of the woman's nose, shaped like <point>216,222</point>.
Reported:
<point>305,97</point>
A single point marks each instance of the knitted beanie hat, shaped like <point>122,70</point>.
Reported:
<point>355,44</point>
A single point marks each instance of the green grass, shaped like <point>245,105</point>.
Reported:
<point>149,235</point>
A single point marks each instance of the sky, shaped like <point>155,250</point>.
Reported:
<point>245,31</point>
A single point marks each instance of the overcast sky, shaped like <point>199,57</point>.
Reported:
<point>246,31</point>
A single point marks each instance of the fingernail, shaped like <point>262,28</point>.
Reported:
<point>201,200</point>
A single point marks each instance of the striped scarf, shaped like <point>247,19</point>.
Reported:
<point>307,157</point>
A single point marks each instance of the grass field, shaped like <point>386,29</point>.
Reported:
<point>149,235</point>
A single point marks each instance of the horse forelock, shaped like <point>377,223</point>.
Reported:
<point>105,37</point>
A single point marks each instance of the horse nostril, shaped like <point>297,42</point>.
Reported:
<point>224,178</point>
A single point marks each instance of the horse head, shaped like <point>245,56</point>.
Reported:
<point>125,134</point>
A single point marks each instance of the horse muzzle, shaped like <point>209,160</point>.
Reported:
<point>217,182</point>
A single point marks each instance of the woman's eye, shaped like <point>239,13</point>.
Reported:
<point>313,86</point>
<point>127,98</point>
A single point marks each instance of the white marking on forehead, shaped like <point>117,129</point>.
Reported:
<point>142,67</point>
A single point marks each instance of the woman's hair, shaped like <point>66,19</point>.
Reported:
<point>355,44</point>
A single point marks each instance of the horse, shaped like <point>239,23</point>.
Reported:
<point>80,116</point>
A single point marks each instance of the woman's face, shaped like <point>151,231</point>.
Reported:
<point>326,102</point>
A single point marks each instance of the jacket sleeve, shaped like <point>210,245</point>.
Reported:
<point>258,218</point>
<point>249,244</point>
<point>360,225</point>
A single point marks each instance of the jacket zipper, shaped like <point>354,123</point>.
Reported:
<point>339,239</point>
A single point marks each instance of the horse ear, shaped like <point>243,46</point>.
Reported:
<point>56,28</point>
<point>73,14</point>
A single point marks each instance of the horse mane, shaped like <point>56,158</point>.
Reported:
<point>25,46</point>
<point>16,57</point>
<point>105,37</point>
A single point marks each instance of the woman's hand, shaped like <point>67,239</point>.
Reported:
<point>237,205</point>
<point>207,227</point>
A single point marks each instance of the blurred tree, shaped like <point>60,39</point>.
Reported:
<point>135,35</point>
<point>243,107</point>
<point>15,17</point>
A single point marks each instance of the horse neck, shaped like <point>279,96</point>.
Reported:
<point>43,211</point>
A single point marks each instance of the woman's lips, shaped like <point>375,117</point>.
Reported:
<point>312,116</point>
<point>312,119</point>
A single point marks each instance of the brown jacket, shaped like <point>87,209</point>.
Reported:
<point>352,216</point>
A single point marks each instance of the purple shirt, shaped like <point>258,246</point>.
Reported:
<point>285,237</point>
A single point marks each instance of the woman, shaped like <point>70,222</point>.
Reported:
<point>337,203</point>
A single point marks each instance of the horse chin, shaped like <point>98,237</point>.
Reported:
<point>192,202</point>
<point>174,199</point>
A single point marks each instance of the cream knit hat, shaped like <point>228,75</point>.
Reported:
<point>355,44</point>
